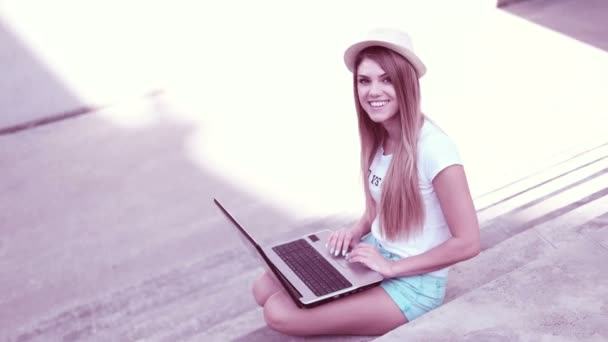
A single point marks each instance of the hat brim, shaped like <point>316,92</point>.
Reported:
<point>350,56</point>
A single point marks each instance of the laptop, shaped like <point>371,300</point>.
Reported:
<point>305,268</point>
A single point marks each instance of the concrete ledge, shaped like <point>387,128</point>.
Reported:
<point>561,297</point>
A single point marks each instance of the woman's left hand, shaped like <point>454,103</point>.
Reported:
<point>370,257</point>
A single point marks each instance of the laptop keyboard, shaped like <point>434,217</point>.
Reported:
<point>316,272</point>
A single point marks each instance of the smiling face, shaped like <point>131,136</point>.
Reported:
<point>376,92</point>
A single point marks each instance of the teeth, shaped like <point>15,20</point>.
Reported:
<point>378,103</point>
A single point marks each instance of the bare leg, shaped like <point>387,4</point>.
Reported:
<point>264,287</point>
<point>371,312</point>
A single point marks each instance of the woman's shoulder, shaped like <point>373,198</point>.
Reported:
<point>431,134</point>
<point>436,150</point>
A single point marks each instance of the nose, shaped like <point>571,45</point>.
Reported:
<point>374,89</point>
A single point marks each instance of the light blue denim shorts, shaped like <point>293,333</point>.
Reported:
<point>414,295</point>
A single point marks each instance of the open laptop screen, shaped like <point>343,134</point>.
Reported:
<point>249,241</point>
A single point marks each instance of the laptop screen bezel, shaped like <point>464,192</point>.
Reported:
<point>289,288</point>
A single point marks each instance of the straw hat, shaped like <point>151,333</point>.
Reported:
<point>393,39</point>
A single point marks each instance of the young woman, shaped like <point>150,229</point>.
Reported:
<point>419,216</point>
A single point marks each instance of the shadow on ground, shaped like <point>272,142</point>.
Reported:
<point>31,91</point>
<point>110,232</point>
<point>583,21</point>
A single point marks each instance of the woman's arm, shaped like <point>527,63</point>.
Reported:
<point>456,203</point>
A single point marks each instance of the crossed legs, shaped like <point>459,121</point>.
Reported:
<point>371,312</point>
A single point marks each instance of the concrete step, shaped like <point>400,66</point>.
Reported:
<point>586,161</point>
<point>559,297</point>
<point>563,202</point>
<point>250,326</point>
<point>155,305</point>
<point>528,246</point>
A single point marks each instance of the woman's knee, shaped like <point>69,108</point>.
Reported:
<point>258,292</point>
<point>276,313</point>
<point>263,288</point>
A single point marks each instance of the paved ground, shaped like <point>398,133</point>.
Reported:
<point>108,229</point>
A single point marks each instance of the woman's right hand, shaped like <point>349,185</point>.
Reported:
<point>339,241</point>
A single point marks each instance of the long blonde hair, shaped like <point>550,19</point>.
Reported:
<point>401,209</point>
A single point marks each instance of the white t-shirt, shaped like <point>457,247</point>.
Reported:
<point>436,151</point>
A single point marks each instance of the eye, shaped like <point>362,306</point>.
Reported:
<point>387,80</point>
<point>363,81</point>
